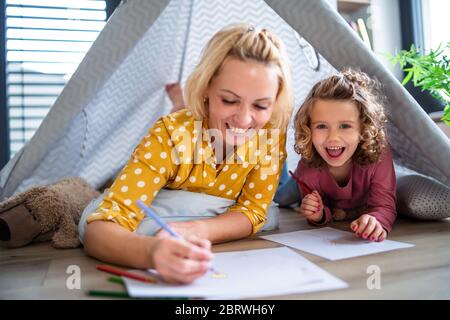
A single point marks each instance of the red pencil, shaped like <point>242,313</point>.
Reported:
<point>304,187</point>
<point>121,272</point>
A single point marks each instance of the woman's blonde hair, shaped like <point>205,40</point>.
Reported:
<point>243,42</point>
<point>348,85</point>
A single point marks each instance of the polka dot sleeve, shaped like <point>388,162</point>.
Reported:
<point>262,182</point>
<point>148,170</point>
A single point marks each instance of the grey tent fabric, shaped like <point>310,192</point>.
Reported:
<point>417,142</point>
<point>118,90</point>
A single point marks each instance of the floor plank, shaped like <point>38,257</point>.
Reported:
<point>39,271</point>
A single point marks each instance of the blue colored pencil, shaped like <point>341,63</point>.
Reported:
<point>161,223</point>
<point>158,220</point>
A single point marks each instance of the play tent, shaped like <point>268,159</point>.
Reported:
<point>118,90</point>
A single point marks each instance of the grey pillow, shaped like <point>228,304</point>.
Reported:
<point>422,197</point>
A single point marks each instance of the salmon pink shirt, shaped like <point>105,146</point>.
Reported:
<point>372,186</point>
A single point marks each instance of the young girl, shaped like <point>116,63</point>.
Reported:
<point>346,170</point>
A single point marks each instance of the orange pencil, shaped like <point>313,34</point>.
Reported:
<point>121,272</point>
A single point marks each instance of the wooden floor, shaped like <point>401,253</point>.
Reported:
<point>423,272</point>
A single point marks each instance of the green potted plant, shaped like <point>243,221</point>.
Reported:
<point>430,72</point>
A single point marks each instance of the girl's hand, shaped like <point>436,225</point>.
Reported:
<point>312,207</point>
<point>185,229</point>
<point>181,260</point>
<point>368,227</point>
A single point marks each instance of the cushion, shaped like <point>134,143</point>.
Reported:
<point>422,197</point>
<point>180,205</point>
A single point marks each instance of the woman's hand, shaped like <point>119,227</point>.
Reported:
<point>181,260</point>
<point>185,229</point>
<point>312,207</point>
<point>368,227</point>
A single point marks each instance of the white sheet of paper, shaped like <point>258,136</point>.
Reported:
<point>248,274</point>
<point>333,244</point>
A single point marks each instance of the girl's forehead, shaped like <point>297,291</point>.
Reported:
<point>334,109</point>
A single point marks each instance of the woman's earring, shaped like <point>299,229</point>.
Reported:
<point>205,100</point>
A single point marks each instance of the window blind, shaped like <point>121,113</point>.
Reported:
<point>45,42</point>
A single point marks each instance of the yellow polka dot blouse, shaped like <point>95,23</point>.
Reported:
<point>177,154</point>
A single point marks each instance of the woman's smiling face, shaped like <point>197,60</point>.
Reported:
<point>241,99</point>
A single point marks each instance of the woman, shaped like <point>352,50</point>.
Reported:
<point>228,144</point>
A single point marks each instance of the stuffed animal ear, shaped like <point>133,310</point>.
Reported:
<point>18,227</point>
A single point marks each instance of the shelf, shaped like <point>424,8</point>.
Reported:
<point>356,13</point>
<point>350,6</point>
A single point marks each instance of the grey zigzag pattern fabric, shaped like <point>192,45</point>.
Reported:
<point>118,90</point>
<point>417,142</point>
<point>210,16</point>
<point>104,132</point>
<point>54,152</point>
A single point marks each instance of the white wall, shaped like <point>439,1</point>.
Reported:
<point>384,25</point>
<point>333,3</point>
<point>386,31</point>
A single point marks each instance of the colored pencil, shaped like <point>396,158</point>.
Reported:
<point>124,273</point>
<point>114,279</point>
<point>110,294</point>
<point>304,187</point>
<point>158,220</point>
<point>121,294</point>
<point>162,224</point>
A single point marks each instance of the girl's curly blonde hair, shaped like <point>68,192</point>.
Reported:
<point>359,88</point>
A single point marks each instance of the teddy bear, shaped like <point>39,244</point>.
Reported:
<point>45,213</point>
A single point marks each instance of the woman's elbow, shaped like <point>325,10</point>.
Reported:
<point>92,236</point>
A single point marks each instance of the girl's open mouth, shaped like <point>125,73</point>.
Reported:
<point>335,152</point>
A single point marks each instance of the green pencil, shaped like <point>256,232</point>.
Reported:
<point>116,280</point>
<point>110,294</point>
<point>121,294</point>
